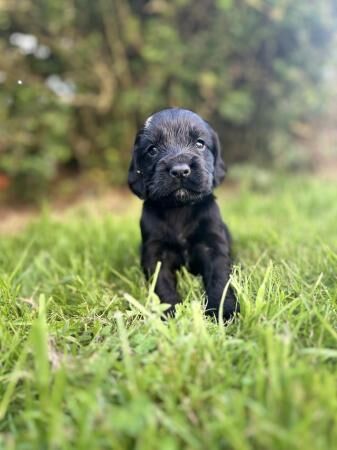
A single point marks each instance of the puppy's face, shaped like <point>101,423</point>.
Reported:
<point>176,158</point>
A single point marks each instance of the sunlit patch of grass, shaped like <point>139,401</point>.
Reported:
<point>86,362</point>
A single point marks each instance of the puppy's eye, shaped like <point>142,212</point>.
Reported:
<point>152,151</point>
<point>200,144</point>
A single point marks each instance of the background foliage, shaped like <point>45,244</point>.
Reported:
<point>78,77</point>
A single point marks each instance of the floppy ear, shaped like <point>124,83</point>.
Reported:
<point>135,179</point>
<point>219,165</point>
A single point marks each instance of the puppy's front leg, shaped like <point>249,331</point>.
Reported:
<point>215,269</point>
<point>215,277</point>
<point>166,286</point>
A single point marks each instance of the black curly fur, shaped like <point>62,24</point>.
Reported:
<point>181,222</point>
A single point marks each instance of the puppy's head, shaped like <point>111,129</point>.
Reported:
<point>176,158</point>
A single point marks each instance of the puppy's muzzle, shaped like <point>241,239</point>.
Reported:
<point>180,166</point>
<point>180,170</point>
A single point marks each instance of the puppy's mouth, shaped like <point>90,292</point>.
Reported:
<point>179,192</point>
<point>182,194</point>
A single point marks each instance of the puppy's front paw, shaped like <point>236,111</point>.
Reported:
<point>231,306</point>
<point>170,312</point>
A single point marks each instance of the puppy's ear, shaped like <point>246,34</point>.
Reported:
<point>219,165</point>
<point>135,179</point>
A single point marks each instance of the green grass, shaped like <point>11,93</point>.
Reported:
<point>87,363</point>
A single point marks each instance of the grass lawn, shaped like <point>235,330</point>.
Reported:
<point>86,362</point>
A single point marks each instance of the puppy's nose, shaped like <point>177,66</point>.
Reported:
<point>180,171</point>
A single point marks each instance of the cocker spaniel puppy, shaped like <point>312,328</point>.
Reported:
<point>175,166</point>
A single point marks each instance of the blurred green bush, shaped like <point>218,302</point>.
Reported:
<point>77,78</point>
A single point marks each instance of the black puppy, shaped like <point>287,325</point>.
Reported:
<point>176,164</point>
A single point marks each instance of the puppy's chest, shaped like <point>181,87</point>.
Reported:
<point>179,231</point>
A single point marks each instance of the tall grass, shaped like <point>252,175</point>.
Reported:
<point>87,363</point>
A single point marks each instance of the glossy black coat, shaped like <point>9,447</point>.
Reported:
<point>182,229</point>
